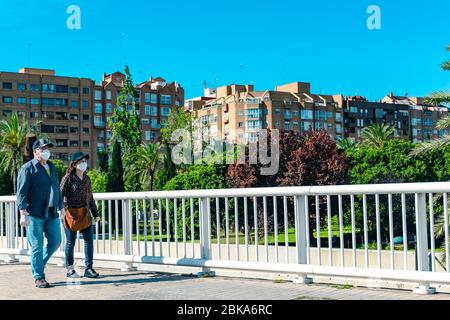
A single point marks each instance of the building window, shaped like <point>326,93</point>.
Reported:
<point>21,86</point>
<point>46,87</point>
<point>74,130</point>
<point>7,85</point>
<point>147,110</point>
<point>62,89</point>
<point>85,104</point>
<point>98,108</point>
<point>253,113</point>
<point>85,90</point>
<point>35,87</point>
<point>7,100</point>
<point>22,100</point>
<point>74,103</point>
<point>354,109</point>
<point>86,131</point>
<point>108,95</point>
<point>306,125</point>
<point>338,116</point>
<point>34,101</point>
<point>73,90</point>
<point>153,98</point>
<point>307,114</point>
<point>108,108</point>
<point>145,121</point>
<point>73,143</point>
<point>73,116</point>
<point>98,95</point>
<point>165,111</point>
<point>34,115</point>
<point>85,144</point>
<point>154,111</point>
<point>85,117</point>
<point>166,99</point>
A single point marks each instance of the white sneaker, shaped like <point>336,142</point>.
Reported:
<point>71,273</point>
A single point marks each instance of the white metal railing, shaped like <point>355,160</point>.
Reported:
<point>281,229</point>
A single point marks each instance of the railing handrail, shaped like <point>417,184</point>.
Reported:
<point>395,188</point>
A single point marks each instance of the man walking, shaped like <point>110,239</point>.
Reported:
<point>39,200</point>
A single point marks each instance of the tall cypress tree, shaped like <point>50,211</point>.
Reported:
<point>115,174</point>
<point>102,161</point>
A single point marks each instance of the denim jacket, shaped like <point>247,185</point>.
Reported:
<point>33,189</point>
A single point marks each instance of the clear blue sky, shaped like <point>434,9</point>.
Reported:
<point>265,42</point>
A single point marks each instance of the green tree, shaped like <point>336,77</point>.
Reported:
<point>13,133</point>
<point>345,144</point>
<point>99,180</point>
<point>115,176</point>
<point>60,167</point>
<point>124,122</point>
<point>437,99</point>
<point>102,160</point>
<point>144,163</point>
<point>377,134</point>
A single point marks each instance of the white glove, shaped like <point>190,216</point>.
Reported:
<point>24,220</point>
<point>62,213</point>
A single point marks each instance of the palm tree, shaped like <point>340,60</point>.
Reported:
<point>377,134</point>
<point>144,163</point>
<point>436,99</point>
<point>346,144</point>
<point>13,133</point>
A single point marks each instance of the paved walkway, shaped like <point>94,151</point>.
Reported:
<point>16,283</point>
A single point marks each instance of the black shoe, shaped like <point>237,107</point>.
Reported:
<point>42,283</point>
<point>90,273</point>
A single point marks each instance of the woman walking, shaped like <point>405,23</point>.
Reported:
<point>79,202</point>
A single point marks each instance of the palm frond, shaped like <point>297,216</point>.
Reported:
<point>446,65</point>
<point>443,124</point>
<point>376,135</point>
<point>430,146</point>
<point>437,98</point>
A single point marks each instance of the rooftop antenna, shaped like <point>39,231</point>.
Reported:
<point>204,84</point>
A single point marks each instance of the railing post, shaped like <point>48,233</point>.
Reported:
<point>10,216</point>
<point>300,203</point>
<point>127,233</point>
<point>205,236</point>
<point>422,242</point>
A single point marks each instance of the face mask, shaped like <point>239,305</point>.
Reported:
<point>45,155</point>
<point>82,166</point>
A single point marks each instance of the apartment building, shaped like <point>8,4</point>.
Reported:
<point>238,112</point>
<point>154,101</point>
<point>60,106</point>
<point>411,118</point>
<point>73,112</point>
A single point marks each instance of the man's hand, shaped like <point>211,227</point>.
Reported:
<point>24,219</point>
<point>97,219</point>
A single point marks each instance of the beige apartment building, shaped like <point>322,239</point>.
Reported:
<point>61,105</point>
<point>238,112</point>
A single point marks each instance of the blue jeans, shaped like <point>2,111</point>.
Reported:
<point>71,238</point>
<point>40,255</point>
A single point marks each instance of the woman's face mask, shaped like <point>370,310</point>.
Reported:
<point>82,166</point>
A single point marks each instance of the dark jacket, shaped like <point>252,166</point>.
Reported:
<point>33,189</point>
<point>78,193</point>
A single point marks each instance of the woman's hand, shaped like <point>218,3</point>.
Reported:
<point>97,219</point>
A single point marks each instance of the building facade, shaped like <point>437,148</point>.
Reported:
<point>73,112</point>
<point>61,108</point>
<point>238,112</point>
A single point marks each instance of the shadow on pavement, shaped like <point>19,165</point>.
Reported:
<point>153,278</point>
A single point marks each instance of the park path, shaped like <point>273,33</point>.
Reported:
<point>16,283</point>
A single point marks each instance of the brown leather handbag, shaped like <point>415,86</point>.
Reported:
<point>77,219</point>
